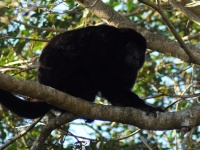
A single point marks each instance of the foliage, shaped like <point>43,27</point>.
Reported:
<point>25,28</point>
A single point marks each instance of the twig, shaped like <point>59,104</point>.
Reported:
<point>193,36</point>
<point>145,143</point>
<point>76,136</point>
<point>23,38</point>
<point>43,29</point>
<point>138,11</point>
<point>102,139</point>
<point>172,95</point>
<point>186,139</point>
<point>142,10</point>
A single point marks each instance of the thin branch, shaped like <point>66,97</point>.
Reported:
<point>138,11</point>
<point>186,139</point>
<point>185,11</point>
<point>17,62</point>
<point>23,38</point>
<point>10,141</point>
<point>176,96</point>
<point>171,27</point>
<point>192,36</point>
<point>145,143</point>
<point>102,139</point>
<point>125,137</point>
<point>22,68</point>
<point>53,123</point>
<point>38,28</point>
<point>172,103</point>
<point>142,10</point>
<point>76,136</point>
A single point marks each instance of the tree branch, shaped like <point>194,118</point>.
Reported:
<point>53,123</point>
<point>22,38</point>
<point>192,36</point>
<point>84,109</point>
<point>172,29</point>
<point>40,29</point>
<point>185,11</point>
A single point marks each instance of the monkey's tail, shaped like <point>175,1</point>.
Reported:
<point>25,109</point>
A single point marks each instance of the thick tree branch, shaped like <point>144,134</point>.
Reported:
<point>154,41</point>
<point>84,109</point>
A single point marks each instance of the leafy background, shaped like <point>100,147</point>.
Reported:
<point>27,26</point>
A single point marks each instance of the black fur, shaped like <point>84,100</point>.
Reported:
<point>84,62</point>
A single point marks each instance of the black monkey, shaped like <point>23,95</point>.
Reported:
<point>84,62</point>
